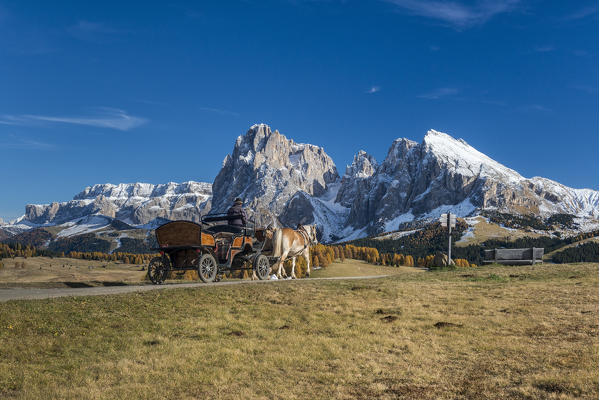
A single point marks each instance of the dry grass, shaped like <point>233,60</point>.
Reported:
<point>352,267</point>
<point>58,272</point>
<point>44,272</point>
<point>493,332</point>
<point>484,230</point>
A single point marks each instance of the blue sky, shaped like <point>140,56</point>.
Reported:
<point>122,91</point>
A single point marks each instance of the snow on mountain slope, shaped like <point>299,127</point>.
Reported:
<point>443,174</point>
<point>286,183</point>
<point>86,224</point>
<point>565,199</point>
<point>463,159</point>
<point>136,203</point>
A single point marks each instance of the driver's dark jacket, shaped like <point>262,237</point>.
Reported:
<point>237,211</point>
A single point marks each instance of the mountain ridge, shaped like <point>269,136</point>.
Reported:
<point>284,182</point>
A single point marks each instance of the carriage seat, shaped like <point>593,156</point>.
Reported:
<point>224,229</point>
<point>230,229</point>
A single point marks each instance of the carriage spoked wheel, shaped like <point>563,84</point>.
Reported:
<point>262,267</point>
<point>158,270</point>
<point>207,268</point>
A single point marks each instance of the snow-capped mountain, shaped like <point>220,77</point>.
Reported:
<point>441,174</point>
<point>287,183</point>
<point>132,203</point>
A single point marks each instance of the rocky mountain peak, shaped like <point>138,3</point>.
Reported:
<point>459,157</point>
<point>363,166</point>
<point>281,180</point>
<point>399,150</point>
<point>267,169</point>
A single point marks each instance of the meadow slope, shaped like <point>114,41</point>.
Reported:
<point>493,332</point>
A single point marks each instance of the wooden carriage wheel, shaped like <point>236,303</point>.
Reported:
<point>158,269</point>
<point>207,268</point>
<point>262,267</point>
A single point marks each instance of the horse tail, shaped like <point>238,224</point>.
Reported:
<point>277,243</point>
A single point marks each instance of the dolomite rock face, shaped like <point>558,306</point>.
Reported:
<point>288,183</point>
<point>441,174</point>
<point>135,203</point>
<point>266,170</point>
<point>356,176</point>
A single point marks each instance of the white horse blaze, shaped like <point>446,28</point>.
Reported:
<point>292,243</point>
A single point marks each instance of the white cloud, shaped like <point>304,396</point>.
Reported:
<point>584,12</point>
<point>373,89</point>
<point>535,107</point>
<point>459,14</point>
<point>586,88</point>
<point>220,111</point>
<point>26,144</point>
<point>581,53</point>
<point>544,49</point>
<point>439,93</point>
<point>93,31</point>
<point>111,118</point>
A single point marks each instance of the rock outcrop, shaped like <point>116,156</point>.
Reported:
<point>284,182</point>
<point>136,203</point>
<point>441,174</point>
<point>266,170</point>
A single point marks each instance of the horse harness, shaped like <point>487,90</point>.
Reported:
<point>306,237</point>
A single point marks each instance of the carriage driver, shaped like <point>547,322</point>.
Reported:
<point>236,210</point>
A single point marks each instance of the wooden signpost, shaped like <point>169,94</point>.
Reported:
<point>448,220</point>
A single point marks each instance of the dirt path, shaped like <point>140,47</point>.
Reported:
<point>33,293</point>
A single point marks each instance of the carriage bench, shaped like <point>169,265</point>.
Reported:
<point>531,255</point>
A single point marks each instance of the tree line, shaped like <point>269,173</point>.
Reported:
<point>18,250</point>
<point>587,252</point>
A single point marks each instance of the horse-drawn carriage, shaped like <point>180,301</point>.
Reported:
<point>211,247</point>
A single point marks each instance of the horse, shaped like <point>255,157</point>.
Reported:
<point>292,243</point>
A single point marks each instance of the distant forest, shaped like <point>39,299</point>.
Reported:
<point>587,252</point>
<point>433,238</point>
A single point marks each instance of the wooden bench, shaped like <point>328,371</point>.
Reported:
<point>531,255</point>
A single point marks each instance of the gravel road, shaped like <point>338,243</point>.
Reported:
<point>33,294</point>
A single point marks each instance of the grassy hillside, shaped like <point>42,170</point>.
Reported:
<point>59,272</point>
<point>432,238</point>
<point>494,332</point>
<point>351,267</point>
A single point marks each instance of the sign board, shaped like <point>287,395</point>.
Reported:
<point>448,220</point>
<point>445,220</point>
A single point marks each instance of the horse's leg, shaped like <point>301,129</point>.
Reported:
<point>293,268</point>
<point>306,254</point>
<point>281,261</point>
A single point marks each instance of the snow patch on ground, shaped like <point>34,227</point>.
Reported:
<point>396,235</point>
<point>393,224</point>
<point>467,235</point>
<point>463,209</point>
<point>118,242</point>
<point>350,233</point>
<point>84,225</point>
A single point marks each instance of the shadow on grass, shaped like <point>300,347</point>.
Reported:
<point>77,285</point>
